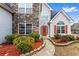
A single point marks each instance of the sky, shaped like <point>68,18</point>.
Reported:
<point>72,9</point>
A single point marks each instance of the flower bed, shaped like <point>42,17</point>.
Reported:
<point>61,43</point>
<point>37,44</point>
<point>19,44</point>
<point>10,49</point>
<point>64,40</point>
<point>36,47</point>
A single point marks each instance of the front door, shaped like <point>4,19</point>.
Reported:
<point>44,30</point>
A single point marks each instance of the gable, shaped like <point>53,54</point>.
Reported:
<point>61,17</point>
<point>62,14</point>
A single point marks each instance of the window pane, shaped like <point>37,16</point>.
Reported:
<point>60,23</point>
<point>21,29</point>
<point>22,32</point>
<point>62,29</point>
<point>58,29</point>
<point>28,5</point>
<point>21,5</point>
<point>28,28</point>
<point>28,10</point>
<point>21,8</point>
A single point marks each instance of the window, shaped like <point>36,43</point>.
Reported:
<point>29,8</point>
<point>25,8</point>
<point>60,27</point>
<point>21,8</point>
<point>25,28</point>
<point>28,28</point>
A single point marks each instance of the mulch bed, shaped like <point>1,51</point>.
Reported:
<point>37,44</point>
<point>10,50</point>
<point>60,41</point>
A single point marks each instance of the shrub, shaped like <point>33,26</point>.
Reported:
<point>57,36</point>
<point>16,35</point>
<point>77,37</point>
<point>23,47</point>
<point>35,35</point>
<point>24,39</point>
<point>9,38</point>
<point>70,37</point>
<point>23,43</point>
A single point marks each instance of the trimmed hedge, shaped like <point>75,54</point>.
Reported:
<point>24,44</point>
<point>23,47</point>
<point>24,39</point>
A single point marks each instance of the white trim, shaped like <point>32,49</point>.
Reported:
<point>48,6</point>
<point>25,8</point>
<point>25,28</point>
<point>60,29</point>
<point>61,11</point>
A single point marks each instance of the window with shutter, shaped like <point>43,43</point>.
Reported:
<point>60,27</point>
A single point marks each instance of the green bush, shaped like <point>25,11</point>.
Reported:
<point>9,38</point>
<point>35,35</point>
<point>16,35</point>
<point>57,36</point>
<point>24,39</point>
<point>23,43</point>
<point>70,37</point>
<point>23,47</point>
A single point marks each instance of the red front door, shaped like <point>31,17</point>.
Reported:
<point>44,30</point>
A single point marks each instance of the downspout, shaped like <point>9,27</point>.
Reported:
<point>12,23</point>
<point>49,28</point>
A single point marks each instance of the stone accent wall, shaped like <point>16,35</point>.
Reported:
<point>32,18</point>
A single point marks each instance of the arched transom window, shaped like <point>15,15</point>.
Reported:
<point>60,27</point>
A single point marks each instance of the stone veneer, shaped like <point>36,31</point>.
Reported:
<point>32,18</point>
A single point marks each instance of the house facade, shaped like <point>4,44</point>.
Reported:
<point>23,18</point>
<point>26,18</point>
<point>75,28</point>
<point>60,23</point>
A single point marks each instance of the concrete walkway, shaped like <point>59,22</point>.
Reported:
<point>48,50</point>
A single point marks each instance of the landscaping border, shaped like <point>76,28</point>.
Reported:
<point>65,44</point>
<point>35,50</point>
